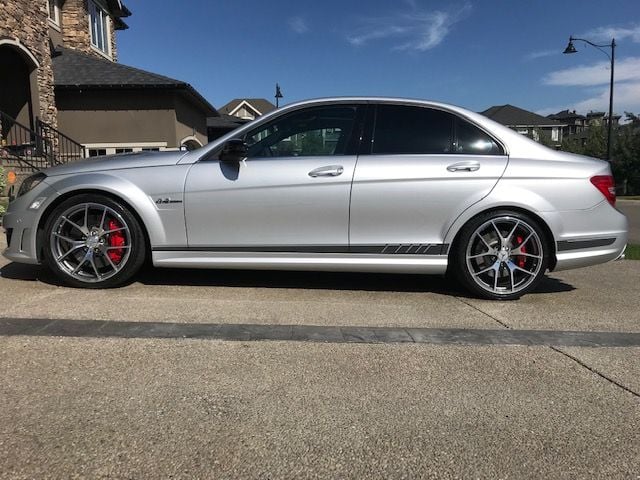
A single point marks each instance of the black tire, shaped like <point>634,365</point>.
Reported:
<point>96,235</point>
<point>494,262</point>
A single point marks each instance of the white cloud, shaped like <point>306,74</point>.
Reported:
<point>626,98</point>
<point>605,34</point>
<point>595,74</point>
<point>541,54</point>
<point>417,30</point>
<point>298,25</point>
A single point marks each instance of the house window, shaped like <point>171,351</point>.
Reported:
<point>124,150</point>
<point>97,152</point>
<point>53,8</point>
<point>99,24</point>
<point>554,134</point>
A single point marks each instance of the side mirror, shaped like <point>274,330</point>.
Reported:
<point>234,150</point>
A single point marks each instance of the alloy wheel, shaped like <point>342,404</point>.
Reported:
<point>504,255</point>
<point>90,242</point>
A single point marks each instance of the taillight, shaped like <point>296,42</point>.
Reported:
<point>607,187</point>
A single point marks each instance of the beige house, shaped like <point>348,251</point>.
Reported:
<point>61,87</point>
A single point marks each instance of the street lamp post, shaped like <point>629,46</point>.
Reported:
<point>572,49</point>
<point>278,95</point>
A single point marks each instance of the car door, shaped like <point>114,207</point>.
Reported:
<point>425,167</point>
<point>290,194</point>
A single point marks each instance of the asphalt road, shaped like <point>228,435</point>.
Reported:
<point>365,376</point>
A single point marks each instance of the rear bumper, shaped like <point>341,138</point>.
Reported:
<point>581,245</point>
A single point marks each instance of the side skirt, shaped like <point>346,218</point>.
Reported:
<point>332,262</point>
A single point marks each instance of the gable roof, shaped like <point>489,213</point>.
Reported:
<point>260,105</point>
<point>513,116</point>
<point>73,69</point>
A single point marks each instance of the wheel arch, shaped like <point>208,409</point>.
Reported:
<point>83,191</point>
<point>549,237</point>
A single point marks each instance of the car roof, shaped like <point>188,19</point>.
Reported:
<point>515,144</point>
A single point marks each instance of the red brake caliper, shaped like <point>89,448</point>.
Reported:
<point>521,258</point>
<point>116,239</point>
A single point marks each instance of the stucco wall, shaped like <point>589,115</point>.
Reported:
<point>190,121</point>
<point>126,117</point>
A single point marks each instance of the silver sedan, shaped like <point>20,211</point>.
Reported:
<point>343,184</point>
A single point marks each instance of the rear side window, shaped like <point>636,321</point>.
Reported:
<point>471,140</point>
<point>402,129</point>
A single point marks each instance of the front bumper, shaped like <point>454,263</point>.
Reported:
<point>21,225</point>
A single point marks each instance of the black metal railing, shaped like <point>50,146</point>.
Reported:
<point>35,150</point>
<point>20,143</point>
<point>59,148</point>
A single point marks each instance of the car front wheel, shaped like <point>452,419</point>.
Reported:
<point>501,255</point>
<point>92,241</point>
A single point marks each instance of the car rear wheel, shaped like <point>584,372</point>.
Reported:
<point>501,255</point>
<point>92,241</point>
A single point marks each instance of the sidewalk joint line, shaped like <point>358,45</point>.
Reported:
<point>593,370</point>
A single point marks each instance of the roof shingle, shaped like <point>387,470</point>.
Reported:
<point>513,116</point>
<point>75,69</point>
<point>262,105</point>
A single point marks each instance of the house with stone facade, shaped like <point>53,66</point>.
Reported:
<point>63,95</point>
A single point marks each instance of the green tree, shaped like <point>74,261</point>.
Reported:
<point>626,155</point>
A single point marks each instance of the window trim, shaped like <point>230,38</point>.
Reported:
<point>106,31</point>
<point>54,22</point>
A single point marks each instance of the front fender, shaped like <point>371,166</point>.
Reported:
<point>142,204</point>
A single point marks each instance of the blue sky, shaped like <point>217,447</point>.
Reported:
<point>474,53</point>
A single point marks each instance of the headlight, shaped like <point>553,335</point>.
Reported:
<point>31,182</point>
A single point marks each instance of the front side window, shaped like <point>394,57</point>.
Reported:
<point>471,140</point>
<point>317,131</point>
<point>401,129</point>
<point>99,25</point>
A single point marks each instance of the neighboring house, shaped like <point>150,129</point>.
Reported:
<point>247,108</point>
<point>575,122</point>
<point>235,113</point>
<point>596,119</point>
<point>527,123</point>
<point>58,60</point>
<point>220,125</point>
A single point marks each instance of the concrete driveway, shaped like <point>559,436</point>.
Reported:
<point>218,374</point>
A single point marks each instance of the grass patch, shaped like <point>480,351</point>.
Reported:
<point>629,197</point>
<point>632,252</point>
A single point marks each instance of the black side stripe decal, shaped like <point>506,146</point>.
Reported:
<point>390,249</point>
<point>564,245</point>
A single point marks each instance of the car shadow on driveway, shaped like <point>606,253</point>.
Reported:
<point>375,282</point>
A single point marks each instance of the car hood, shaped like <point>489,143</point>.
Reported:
<point>117,162</point>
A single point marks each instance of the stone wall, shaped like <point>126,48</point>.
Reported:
<point>24,26</point>
<point>75,28</point>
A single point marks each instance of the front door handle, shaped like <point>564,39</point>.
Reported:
<point>464,167</point>
<point>329,171</point>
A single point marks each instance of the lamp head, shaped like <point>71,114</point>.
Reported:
<point>570,47</point>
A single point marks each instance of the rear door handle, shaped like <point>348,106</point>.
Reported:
<point>328,171</point>
<point>464,167</point>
